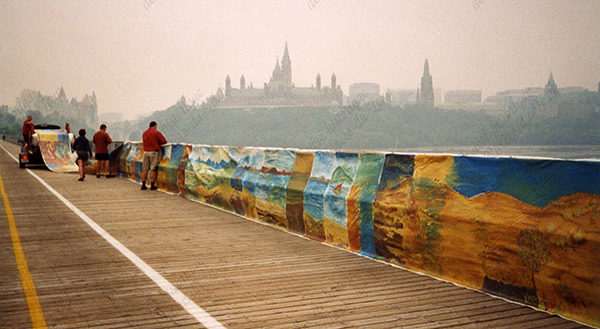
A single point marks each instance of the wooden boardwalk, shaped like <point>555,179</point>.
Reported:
<point>242,273</point>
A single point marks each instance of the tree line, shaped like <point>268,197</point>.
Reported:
<point>373,126</point>
<point>12,124</point>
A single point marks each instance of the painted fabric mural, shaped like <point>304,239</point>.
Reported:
<point>133,162</point>
<point>322,171</point>
<point>360,203</point>
<point>56,150</point>
<point>115,159</point>
<point>299,177</point>
<point>121,159</point>
<point>390,206</point>
<point>244,179</point>
<point>524,229</point>
<point>183,163</point>
<point>208,176</point>
<point>271,186</point>
<point>334,204</point>
<point>168,168</point>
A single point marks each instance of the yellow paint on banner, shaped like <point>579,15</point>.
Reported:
<point>47,136</point>
<point>35,310</point>
<point>437,168</point>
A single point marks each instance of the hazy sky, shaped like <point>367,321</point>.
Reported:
<point>143,55</point>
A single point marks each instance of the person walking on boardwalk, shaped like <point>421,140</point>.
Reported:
<point>152,139</point>
<point>83,149</point>
<point>27,132</point>
<point>101,140</point>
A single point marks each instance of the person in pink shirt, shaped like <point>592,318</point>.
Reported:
<point>101,140</point>
<point>152,140</point>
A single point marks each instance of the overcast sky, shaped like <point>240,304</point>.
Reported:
<point>143,55</point>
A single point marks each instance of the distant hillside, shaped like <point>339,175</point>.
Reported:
<point>373,126</point>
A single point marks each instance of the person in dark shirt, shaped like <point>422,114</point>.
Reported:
<point>101,140</point>
<point>152,139</point>
<point>83,149</point>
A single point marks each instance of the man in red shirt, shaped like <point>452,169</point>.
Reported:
<point>27,132</point>
<point>101,140</point>
<point>152,139</point>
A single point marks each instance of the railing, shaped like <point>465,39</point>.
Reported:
<point>524,229</point>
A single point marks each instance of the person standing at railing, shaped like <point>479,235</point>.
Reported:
<point>83,149</point>
<point>101,140</point>
<point>152,139</point>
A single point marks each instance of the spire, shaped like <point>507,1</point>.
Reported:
<point>286,66</point>
<point>426,97</point>
<point>276,72</point>
<point>333,82</point>
<point>286,54</point>
<point>318,81</point>
<point>551,89</point>
<point>551,81</point>
<point>227,85</point>
<point>62,97</point>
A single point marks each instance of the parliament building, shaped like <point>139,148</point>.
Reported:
<point>281,91</point>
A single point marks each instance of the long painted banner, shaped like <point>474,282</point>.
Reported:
<point>524,229</point>
<point>55,149</point>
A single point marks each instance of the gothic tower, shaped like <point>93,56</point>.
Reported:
<point>227,86</point>
<point>426,97</point>
<point>549,105</point>
<point>319,82</point>
<point>333,82</point>
<point>62,97</point>
<point>286,67</point>
<point>551,90</point>
<point>276,76</point>
<point>242,82</point>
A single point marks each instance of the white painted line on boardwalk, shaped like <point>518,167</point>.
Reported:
<point>192,308</point>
